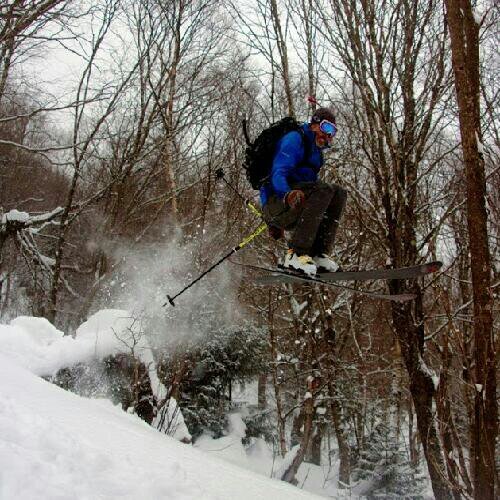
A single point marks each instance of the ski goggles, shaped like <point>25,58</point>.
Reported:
<point>328,128</point>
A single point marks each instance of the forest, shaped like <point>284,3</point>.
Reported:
<point>117,118</point>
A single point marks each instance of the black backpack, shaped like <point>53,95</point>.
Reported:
<point>259,155</point>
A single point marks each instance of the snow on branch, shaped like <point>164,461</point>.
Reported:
<point>24,220</point>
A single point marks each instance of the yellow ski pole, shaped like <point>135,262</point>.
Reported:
<point>247,240</point>
<point>262,227</point>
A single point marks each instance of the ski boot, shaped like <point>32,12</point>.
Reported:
<point>325,264</point>
<point>301,263</point>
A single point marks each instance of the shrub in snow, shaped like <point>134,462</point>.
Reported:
<point>259,424</point>
<point>120,378</point>
<point>383,469</point>
<point>212,364</point>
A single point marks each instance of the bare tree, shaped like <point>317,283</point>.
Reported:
<point>20,22</point>
<point>464,35</point>
<point>263,29</point>
<point>283,52</point>
<point>385,48</point>
<point>84,142</point>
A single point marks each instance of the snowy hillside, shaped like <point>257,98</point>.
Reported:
<point>55,444</point>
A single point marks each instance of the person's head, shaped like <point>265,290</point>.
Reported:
<point>323,126</point>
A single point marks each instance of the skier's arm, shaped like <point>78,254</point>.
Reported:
<point>290,153</point>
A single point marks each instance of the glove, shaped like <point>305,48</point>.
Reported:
<point>276,232</point>
<point>295,198</point>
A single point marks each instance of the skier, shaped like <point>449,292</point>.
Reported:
<point>293,199</point>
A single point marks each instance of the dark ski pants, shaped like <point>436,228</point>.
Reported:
<point>314,225</point>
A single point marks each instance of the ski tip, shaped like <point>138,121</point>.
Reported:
<point>432,267</point>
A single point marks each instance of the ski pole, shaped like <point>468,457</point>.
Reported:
<point>247,240</point>
<point>219,174</point>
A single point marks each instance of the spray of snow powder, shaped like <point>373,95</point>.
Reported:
<point>145,276</point>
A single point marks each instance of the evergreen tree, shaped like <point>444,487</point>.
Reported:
<point>217,361</point>
<point>385,468</point>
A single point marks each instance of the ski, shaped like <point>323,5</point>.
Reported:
<point>400,273</point>
<point>281,276</point>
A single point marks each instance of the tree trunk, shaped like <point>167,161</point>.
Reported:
<point>315,448</point>
<point>291,471</point>
<point>261,390</point>
<point>412,436</point>
<point>64,227</point>
<point>277,391</point>
<point>296,434</point>
<point>410,335</point>
<point>464,35</point>
<point>168,155</point>
<point>309,31</point>
<point>449,435</point>
<point>445,419</point>
<point>282,49</point>
<point>341,435</point>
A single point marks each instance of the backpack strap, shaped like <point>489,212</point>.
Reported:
<point>307,147</point>
<point>305,143</point>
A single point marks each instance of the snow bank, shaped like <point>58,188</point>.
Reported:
<point>258,457</point>
<point>83,448</point>
<point>38,346</point>
<point>54,444</point>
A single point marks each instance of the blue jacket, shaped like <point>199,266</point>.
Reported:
<point>289,164</point>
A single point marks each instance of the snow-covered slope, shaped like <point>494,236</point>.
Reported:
<point>57,445</point>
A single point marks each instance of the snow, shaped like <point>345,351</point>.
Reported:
<point>236,426</point>
<point>54,444</point>
<point>88,448</point>
<point>77,448</point>
<point>170,420</point>
<point>258,457</point>
<point>287,461</point>
<point>15,216</point>
<point>435,381</point>
<point>38,346</point>
<point>477,17</point>
<point>429,372</point>
<point>480,147</point>
<point>296,307</point>
<point>48,261</point>
<point>231,449</point>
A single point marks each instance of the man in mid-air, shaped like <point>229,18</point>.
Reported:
<point>293,199</point>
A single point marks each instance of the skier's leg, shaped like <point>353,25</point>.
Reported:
<point>277,214</point>
<point>318,198</point>
<point>327,230</point>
